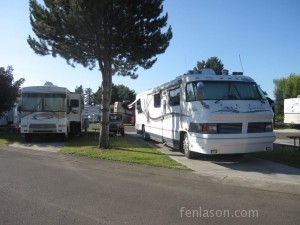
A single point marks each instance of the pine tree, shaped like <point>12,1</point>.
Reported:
<point>116,36</point>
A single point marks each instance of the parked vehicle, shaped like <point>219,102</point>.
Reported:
<point>50,110</point>
<point>92,112</point>
<point>207,113</point>
<point>116,125</point>
<point>11,118</point>
<point>292,111</point>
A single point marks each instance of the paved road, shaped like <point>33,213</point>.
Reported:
<point>39,187</point>
<point>239,171</point>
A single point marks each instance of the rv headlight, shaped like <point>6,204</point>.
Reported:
<point>204,128</point>
<point>269,127</point>
<point>209,128</point>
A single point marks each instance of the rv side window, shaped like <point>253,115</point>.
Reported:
<point>138,106</point>
<point>74,103</point>
<point>174,97</point>
<point>157,101</point>
<point>191,92</point>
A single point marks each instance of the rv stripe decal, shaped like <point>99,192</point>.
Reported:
<point>166,115</point>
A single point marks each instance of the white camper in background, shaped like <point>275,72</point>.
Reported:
<point>292,111</point>
<point>92,113</point>
<point>49,110</point>
<point>207,113</point>
<point>11,117</point>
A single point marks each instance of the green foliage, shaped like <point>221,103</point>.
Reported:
<point>89,97</point>
<point>212,63</point>
<point>119,93</point>
<point>79,89</point>
<point>287,87</point>
<point>116,35</point>
<point>9,90</point>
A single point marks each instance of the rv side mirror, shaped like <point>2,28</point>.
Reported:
<point>200,91</point>
<point>19,108</point>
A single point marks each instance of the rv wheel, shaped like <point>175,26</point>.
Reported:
<point>185,145</point>
<point>63,137</point>
<point>28,137</point>
<point>145,134</point>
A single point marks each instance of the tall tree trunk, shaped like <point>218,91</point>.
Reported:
<point>106,95</point>
<point>105,65</point>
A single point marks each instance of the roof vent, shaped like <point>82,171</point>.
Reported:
<point>225,72</point>
<point>237,73</point>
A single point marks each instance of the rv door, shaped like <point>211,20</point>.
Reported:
<point>171,117</point>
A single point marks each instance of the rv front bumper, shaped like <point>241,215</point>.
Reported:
<point>43,128</point>
<point>210,145</point>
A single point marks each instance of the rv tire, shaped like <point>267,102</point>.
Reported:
<point>63,137</point>
<point>145,136</point>
<point>28,137</point>
<point>186,149</point>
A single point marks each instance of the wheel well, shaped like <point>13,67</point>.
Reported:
<point>182,133</point>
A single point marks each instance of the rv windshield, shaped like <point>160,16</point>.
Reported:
<point>43,102</point>
<point>227,90</point>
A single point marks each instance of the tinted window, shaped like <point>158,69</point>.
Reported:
<point>174,97</point>
<point>157,101</point>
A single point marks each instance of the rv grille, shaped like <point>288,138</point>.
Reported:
<point>256,127</point>
<point>42,126</point>
<point>230,128</point>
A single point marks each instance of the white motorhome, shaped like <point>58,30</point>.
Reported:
<point>49,110</point>
<point>292,110</point>
<point>207,113</point>
<point>11,117</point>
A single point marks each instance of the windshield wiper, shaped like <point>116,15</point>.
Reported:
<point>227,97</point>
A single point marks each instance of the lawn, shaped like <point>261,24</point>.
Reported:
<point>286,155</point>
<point>125,149</point>
<point>8,137</point>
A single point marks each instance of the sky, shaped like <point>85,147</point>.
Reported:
<point>259,37</point>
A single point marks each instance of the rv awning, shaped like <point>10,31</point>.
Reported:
<point>132,105</point>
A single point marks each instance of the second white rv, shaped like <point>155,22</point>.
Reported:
<point>49,110</point>
<point>292,111</point>
<point>207,113</point>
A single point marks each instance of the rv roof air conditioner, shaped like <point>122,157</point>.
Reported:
<point>205,71</point>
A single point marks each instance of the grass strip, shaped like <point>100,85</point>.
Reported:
<point>125,149</point>
<point>8,137</point>
<point>286,155</point>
